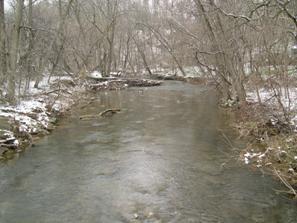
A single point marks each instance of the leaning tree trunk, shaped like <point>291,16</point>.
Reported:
<point>15,42</point>
<point>142,54</point>
<point>219,61</point>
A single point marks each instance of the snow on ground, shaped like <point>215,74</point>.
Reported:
<point>267,96</point>
<point>190,71</point>
<point>45,84</point>
<point>34,114</point>
<point>30,115</point>
<point>259,157</point>
<point>95,74</point>
<point>288,100</point>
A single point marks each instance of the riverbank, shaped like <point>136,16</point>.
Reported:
<point>193,77</point>
<point>37,114</point>
<point>269,125</point>
<point>271,138</point>
<point>159,159</point>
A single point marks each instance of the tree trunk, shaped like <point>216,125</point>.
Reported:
<point>231,79</point>
<point>3,62</point>
<point>112,13</point>
<point>15,41</point>
<point>60,38</point>
<point>30,45</point>
<point>142,54</point>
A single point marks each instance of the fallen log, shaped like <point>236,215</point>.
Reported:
<point>109,112</point>
<point>106,113</point>
<point>9,146</point>
<point>85,117</point>
<point>118,84</point>
<point>7,141</point>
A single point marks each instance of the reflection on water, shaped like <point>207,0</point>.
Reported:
<point>158,160</point>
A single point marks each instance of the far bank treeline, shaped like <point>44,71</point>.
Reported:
<point>232,42</point>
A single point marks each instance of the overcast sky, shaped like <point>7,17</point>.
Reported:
<point>6,4</point>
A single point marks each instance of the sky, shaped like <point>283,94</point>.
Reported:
<point>7,4</point>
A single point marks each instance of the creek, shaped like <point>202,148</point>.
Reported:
<point>163,158</point>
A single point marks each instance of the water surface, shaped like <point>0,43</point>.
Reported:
<point>163,158</point>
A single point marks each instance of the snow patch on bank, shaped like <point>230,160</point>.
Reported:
<point>277,151</point>
<point>268,96</point>
<point>287,99</point>
<point>36,114</point>
<point>189,71</point>
<point>30,115</point>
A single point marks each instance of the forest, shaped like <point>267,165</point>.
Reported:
<point>233,43</point>
<point>97,61</point>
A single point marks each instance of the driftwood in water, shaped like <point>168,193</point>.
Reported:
<point>7,141</point>
<point>118,84</point>
<point>106,113</point>
<point>85,117</point>
<point>109,112</point>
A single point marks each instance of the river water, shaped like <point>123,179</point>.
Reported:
<point>163,158</point>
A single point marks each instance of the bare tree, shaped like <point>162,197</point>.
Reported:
<point>14,51</point>
<point>3,63</point>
